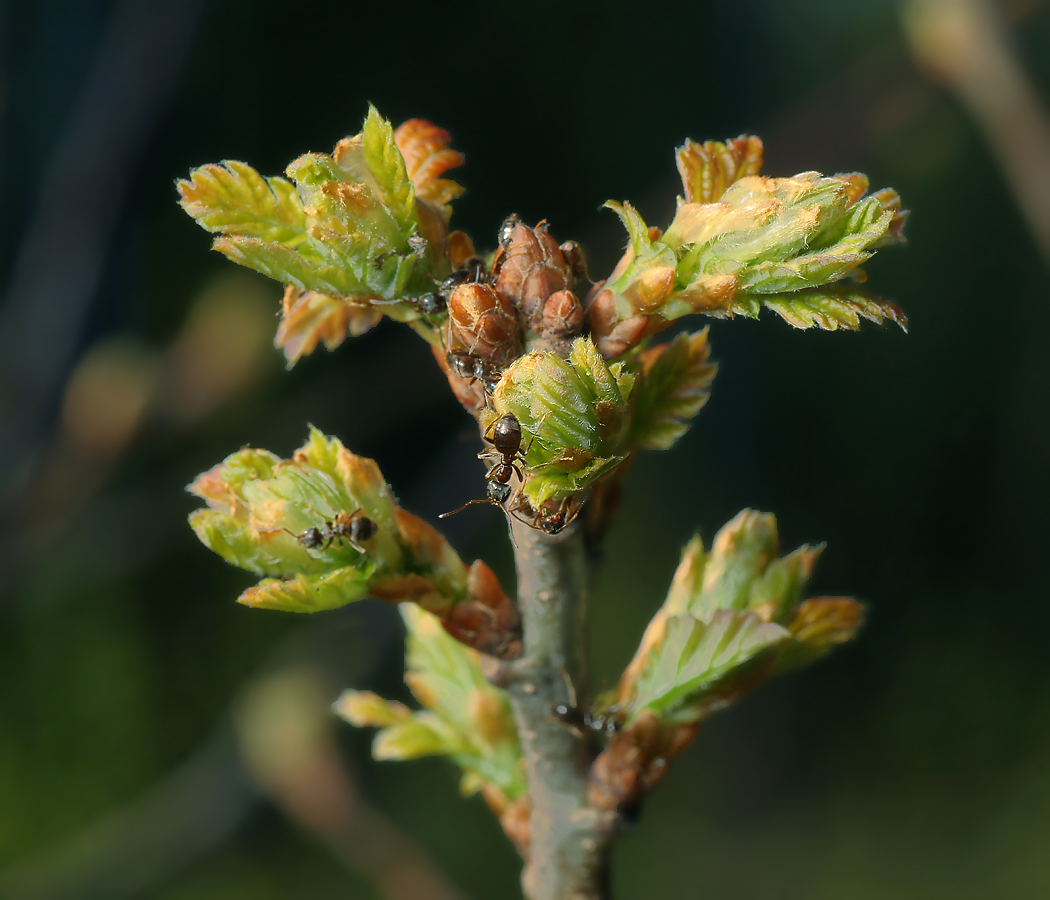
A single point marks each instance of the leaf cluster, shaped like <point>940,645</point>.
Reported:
<point>342,231</point>
<point>464,718</point>
<point>732,617</point>
<point>258,504</point>
<point>740,242</point>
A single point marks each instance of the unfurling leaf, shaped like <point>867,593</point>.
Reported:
<point>293,521</point>
<point>829,308</point>
<point>464,717</point>
<point>573,415</point>
<point>731,619</point>
<point>428,156</point>
<point>707,169</point>
<point>817,627</point>
<point>235,199</point>
<point>387,165</point>
<point>310,318</point>
<point>776,242</point>
<point>671,388</point>
<point>695,657</point>
<point>346,228</point>
<point>741,577</point>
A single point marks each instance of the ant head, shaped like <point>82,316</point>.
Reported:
<point>311,538</point>
<point>430,304</point>
<point>498,492</point>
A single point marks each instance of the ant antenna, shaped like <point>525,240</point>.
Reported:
<point>463,507</point>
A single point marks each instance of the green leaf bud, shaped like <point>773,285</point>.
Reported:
<point>574,413</point>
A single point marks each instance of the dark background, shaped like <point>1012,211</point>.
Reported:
<point>913,764</point>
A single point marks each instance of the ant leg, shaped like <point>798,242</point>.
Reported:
<point>535,432</point>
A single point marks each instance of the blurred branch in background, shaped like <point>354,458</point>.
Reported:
<point>964,44</point>
<point>281,746</point>
<point>58,266</point>
<point>285,726</point>
<point>120,385</point>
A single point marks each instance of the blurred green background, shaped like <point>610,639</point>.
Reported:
<point>133,762</point>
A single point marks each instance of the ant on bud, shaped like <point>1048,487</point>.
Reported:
<point>506,444</point>
<point>354,528</point>
<point>473,271</point>
<point>473,369</point>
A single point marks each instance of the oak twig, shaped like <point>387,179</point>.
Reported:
<point>569,838</point>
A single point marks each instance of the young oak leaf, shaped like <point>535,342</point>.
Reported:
<point>293,521</point>
<point>233,198</point>
<point>695,659</point>
<point>384,160</point>
<point>427,154</point>
<point>573,415</point>
<point>464,717</point>
<point>310,318</point>
<point>740,583</point>
<point>764,242</point>
<point>828,308</point>
<point>347,226</point>
<point>671,389</point>
<point>707,169</point>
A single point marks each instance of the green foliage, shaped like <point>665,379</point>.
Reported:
<point>258,504</point>
<point>765,242</point>
<point>233,198</point>
<point>671,389</point>
<point>346,227</point>
<point>695,657</point>
<point>464,717</point>
<point>387,165</point>
<point>575,413</point>
<point>731,617</point>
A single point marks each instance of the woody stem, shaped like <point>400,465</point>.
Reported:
<point>567,855</point>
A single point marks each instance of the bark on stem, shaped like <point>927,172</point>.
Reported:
<point>567,856</point>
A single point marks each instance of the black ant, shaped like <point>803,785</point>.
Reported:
<point>473,369</point>
<point>506,441</point>
<point>429,304</point>
<point>556,521</point>
<point>472,271</point>
<point>355,528</point>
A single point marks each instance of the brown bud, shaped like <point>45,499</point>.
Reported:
<point>530,268</point>
<point>562,314</point>
<point>635,761</point>
<point>483,324</point>
<point>487,620</point>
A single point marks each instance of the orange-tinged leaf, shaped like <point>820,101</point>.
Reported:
<point>311,318</point>
<point>427,154</point>
<point>707,169</point>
